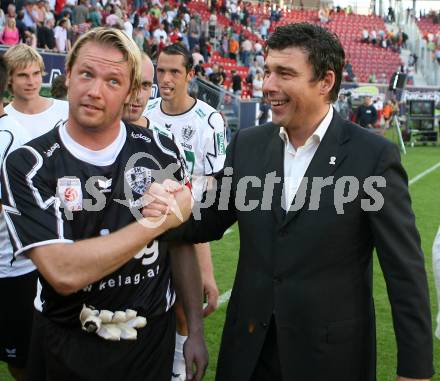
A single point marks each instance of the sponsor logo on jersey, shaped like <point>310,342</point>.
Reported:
<point>187,146</point>
<point>168,126</point>
<point>220,138</point>
<point>70,192</point>
<point>52,149</point>
<point>188,133</point>
<point>139,179</point>
<point>200,113</point>
<point>104,185</point>
<point>140,136</point>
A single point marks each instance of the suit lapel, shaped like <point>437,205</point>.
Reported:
<point>274,162</point>
<point>328,157</point>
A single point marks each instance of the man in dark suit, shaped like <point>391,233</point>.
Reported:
<point>301,306</point>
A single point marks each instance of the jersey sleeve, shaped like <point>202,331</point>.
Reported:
<point>32,208</point>
<point>168,144</point>
<point>9,141</point>
<point>215,145</point>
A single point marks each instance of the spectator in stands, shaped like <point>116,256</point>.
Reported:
<point>60,34</point>
<point>10,35</point>
<point>197,57</point>
<point>30,38</point>
<point>215,77</point>
<point>95,17</point>
<point>20,24</point>
<point>30,15</point>
<point>199,70</point>
<point>257,85</point>
<point>2,20</point>
<point>348,73</point>
<point>193,33</point>
<point>80,13</point>
<point>324,14</point>
<point>113,19</point>
<point>59,89</point>
<point>46,36</point>
<point>366,115</point>
<point>236,82</point>
<point>373,37</point>
<point>40,12</point>
<point>212,24</point>
<point>11,12</point>
<point>233,48</point>
<point>161,33</point>
<point>365,35</point>
<point>246,49</point>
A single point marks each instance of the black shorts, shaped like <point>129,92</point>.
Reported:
<point>70,354</point>
<point>17,296</point>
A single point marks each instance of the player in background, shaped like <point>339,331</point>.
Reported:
<point>134,109</point>
<point>20,275</point>
<point>34,112</point>
<point>200,130</point>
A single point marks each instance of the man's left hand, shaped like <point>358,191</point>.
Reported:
<point>210,291</point>
<point>196,357</point>
<point>399,378</point>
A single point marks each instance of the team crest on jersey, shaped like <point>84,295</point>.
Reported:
<point>139,178</point>
<point>70,192</point>
<point>188,133</point>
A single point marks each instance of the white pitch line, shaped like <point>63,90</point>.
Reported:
<point>228,231</point>
<point>424,173</point>
<point>224,298</point>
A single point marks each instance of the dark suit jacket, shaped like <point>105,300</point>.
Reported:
<point>311,269</point>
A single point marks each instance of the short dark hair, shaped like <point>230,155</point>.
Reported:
<point>323,48</point>
<point>180,50</point>
<point>59,88</point>
<point>3,76</point>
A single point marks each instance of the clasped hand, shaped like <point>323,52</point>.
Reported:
<point>169,199</point>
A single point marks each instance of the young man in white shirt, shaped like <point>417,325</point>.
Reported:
<point>18,279</point>
<point>36,114</point>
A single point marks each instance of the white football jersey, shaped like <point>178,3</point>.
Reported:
<point>12,136</point>
<point>201,133</point>
<point>38,124</point>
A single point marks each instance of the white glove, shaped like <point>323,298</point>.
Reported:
<point>112,325</point>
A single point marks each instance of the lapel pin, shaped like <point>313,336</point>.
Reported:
<point>332,160</point>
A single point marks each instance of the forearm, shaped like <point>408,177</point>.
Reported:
<point>71,267</point>
<point>203,252</point>
<point>188,284</point>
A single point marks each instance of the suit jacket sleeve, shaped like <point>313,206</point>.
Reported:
<point>216,212</point>
<point>398,246</point>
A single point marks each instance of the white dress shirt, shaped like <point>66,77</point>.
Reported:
<point>296,161</point>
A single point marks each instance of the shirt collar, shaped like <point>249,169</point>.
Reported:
<point>317,135</point>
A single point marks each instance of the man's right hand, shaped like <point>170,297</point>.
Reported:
<point>169,199</point>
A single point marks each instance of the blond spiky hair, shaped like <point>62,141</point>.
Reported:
<point>114,38</point>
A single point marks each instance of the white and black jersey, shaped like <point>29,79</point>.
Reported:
<point>12,136</point>
<point>201,133</point>
<point>56,191</point>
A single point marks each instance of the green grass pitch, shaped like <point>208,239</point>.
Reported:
<point>426,203</point>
